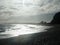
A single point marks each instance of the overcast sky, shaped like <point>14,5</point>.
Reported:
<point>24,11</point>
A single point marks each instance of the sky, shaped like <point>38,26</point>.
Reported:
<point>28,11</point>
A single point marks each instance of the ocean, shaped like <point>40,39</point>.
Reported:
<point>12,30</point>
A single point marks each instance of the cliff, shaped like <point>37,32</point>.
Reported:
<point>56,19</point>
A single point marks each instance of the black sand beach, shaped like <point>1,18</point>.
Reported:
<point>50,37</point>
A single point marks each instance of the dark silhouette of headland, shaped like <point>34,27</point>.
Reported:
<point>56,19</point>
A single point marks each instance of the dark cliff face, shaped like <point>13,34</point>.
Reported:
<point>56,19</point>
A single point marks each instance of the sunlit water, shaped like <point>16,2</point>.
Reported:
<point>13,30</point>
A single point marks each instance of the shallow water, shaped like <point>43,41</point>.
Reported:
<point>13,30</point>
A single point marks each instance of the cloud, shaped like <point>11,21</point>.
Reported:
<point>35,7</point>
<point>28,10</point>
<point>51,7</point>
